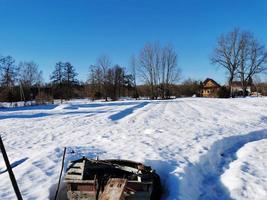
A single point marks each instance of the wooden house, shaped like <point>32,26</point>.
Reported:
<point>209,88</point>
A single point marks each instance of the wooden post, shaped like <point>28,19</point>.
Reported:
<point>9,169</point>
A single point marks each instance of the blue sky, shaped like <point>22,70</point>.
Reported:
<point>48,31</point>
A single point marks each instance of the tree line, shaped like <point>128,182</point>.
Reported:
<point>17,80</point>
<point>155,68</point>
<point>152,73</point>
<point>109,81</point>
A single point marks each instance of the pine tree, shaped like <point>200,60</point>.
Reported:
<point>57,80</point>
<point>57,74</point>
<point>69,79</point>
<point>63,79</point>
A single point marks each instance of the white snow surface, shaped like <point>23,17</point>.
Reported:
<point>247,176</point>
<point>189,141</point>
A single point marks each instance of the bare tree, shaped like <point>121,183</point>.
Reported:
<point>170,73</point>
<point>104,63</point>
<point>257,83</point>
<point>8,77</point>
<point>113,83</point>
<point>9,71</point>
<point>99,75</point>
<point>149,66</point>
<point>29,77</point>
<point>227,53</point>
<point>133,71</point>
<point>158,68</point>
<point>253,59</point>
<point>242,55</point>
<point>95,80</point>
<point>30,74</point>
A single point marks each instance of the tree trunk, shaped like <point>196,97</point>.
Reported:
<point>244,88</point>
<point>230,85</point>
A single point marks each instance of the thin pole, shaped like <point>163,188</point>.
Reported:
<point>9,169</point>
<point>62,166</point>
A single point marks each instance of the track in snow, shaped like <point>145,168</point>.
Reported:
<point>203,178</point>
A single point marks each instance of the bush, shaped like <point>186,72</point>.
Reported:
<point>43,98</point>
<point>188,88</point>
<point>223,92</point>
<point>9,94</point>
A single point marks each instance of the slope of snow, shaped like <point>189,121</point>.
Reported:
<point>190,142</point>
<point>247,176</point>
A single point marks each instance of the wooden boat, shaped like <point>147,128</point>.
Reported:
<point>91,179</point>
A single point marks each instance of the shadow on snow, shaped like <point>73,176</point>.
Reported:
<point>100,104</point>
<point>15,164</point>
<point>38,115</point>
<point>33,107</point>
<point>169,181</point>
<point>114,117</point>
<point>127,111</point>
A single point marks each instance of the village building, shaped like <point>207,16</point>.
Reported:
<point>209,88</point>
<point>236,89</point>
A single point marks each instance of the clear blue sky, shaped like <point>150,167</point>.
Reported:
<point>48,31</point>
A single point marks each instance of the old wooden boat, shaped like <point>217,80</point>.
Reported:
<point>111,180</point>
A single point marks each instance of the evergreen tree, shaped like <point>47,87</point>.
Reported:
<point>69,79</point>
<point>57,74</point>
<point>64,79</point>
<point>57,80</point>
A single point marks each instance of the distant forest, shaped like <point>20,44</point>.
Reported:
<point>153,74</point>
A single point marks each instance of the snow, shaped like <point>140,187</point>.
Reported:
<point>191,142</point>
<point>247,176</point>
<point>16,104</point>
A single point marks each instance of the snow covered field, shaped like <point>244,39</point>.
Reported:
<point>247,176</point>
<point>191,143</point>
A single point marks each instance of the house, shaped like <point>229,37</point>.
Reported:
<point>236,88</point>
<point>209,88</point>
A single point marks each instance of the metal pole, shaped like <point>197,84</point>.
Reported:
<point>59,179</point>
<point>9,169</point>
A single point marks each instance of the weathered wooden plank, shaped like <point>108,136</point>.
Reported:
<point>76,171</point>
<point>114,189</point>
